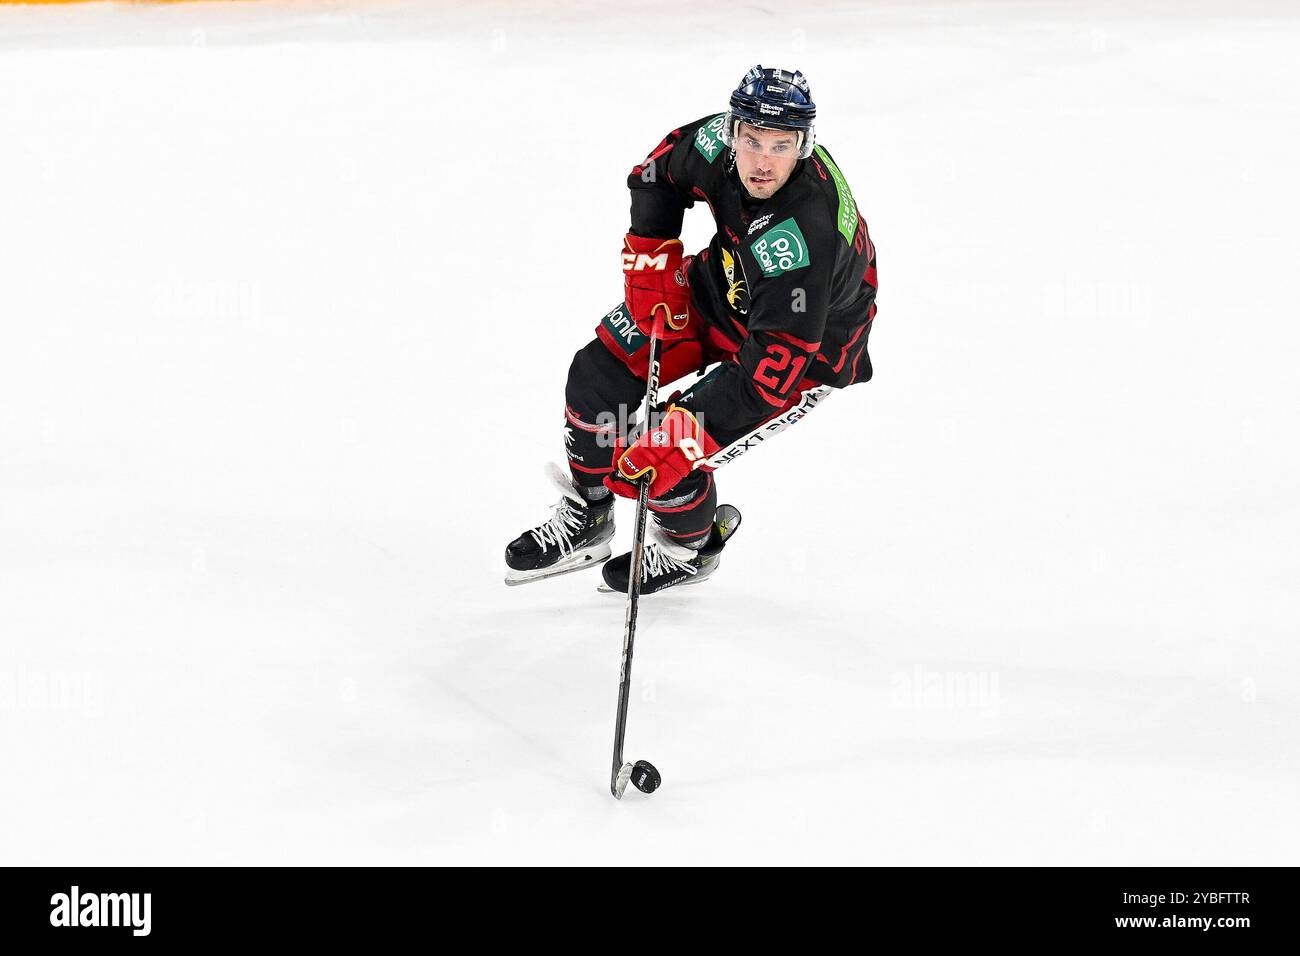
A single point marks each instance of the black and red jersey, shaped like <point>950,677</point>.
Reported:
<point>790,281</point>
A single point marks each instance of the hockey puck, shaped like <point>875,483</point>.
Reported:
<point>645,777</point>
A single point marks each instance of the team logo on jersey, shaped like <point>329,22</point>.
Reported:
<point>620,326</point>
<point>708,138</point>
<point>781,249</point>
<point>758,224</point>
<point>737,294</point>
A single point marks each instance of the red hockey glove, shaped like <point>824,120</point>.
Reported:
<point>654,279</point>
<point>666,454</point>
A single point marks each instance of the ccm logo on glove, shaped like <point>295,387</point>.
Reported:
<point>640,261</point>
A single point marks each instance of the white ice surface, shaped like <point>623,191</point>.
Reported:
<point>287,297</point>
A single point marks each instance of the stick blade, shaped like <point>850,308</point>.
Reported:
<point>619,783</point>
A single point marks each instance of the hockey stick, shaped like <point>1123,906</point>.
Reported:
<point>646,777</point>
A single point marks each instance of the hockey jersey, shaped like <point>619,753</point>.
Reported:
<point>790,281</point>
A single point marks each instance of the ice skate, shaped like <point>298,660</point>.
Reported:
<point>667,564</point>
<point>576,536</point>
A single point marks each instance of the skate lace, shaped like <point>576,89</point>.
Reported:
<point>558,530</point>
<point>657,562</point>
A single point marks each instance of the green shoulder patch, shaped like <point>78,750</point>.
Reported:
<point>782,248</point>
<point>619,324</point>
<point>708,138</point>
<point>847,217</point>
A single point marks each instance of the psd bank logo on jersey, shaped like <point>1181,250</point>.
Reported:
<point>621,329</point>
<point>708,138</point>
<point>781,249</point>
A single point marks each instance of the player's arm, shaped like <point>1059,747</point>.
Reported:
<point>658,204</point>
<point>654,274</point>
<point>787,317</point>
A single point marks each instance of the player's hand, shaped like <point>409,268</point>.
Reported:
<point>654,281</point>
<point>663,455</point>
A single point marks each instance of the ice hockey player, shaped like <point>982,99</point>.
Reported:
<point>782,301</point>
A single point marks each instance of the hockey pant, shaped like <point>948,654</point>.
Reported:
<point>606,385</point>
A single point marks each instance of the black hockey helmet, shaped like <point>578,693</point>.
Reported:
<point>773,99</point>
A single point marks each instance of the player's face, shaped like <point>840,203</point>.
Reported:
<point>765,158</point>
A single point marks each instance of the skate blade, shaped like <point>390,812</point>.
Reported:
<point>604,588</point>
<point>578,561</point>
